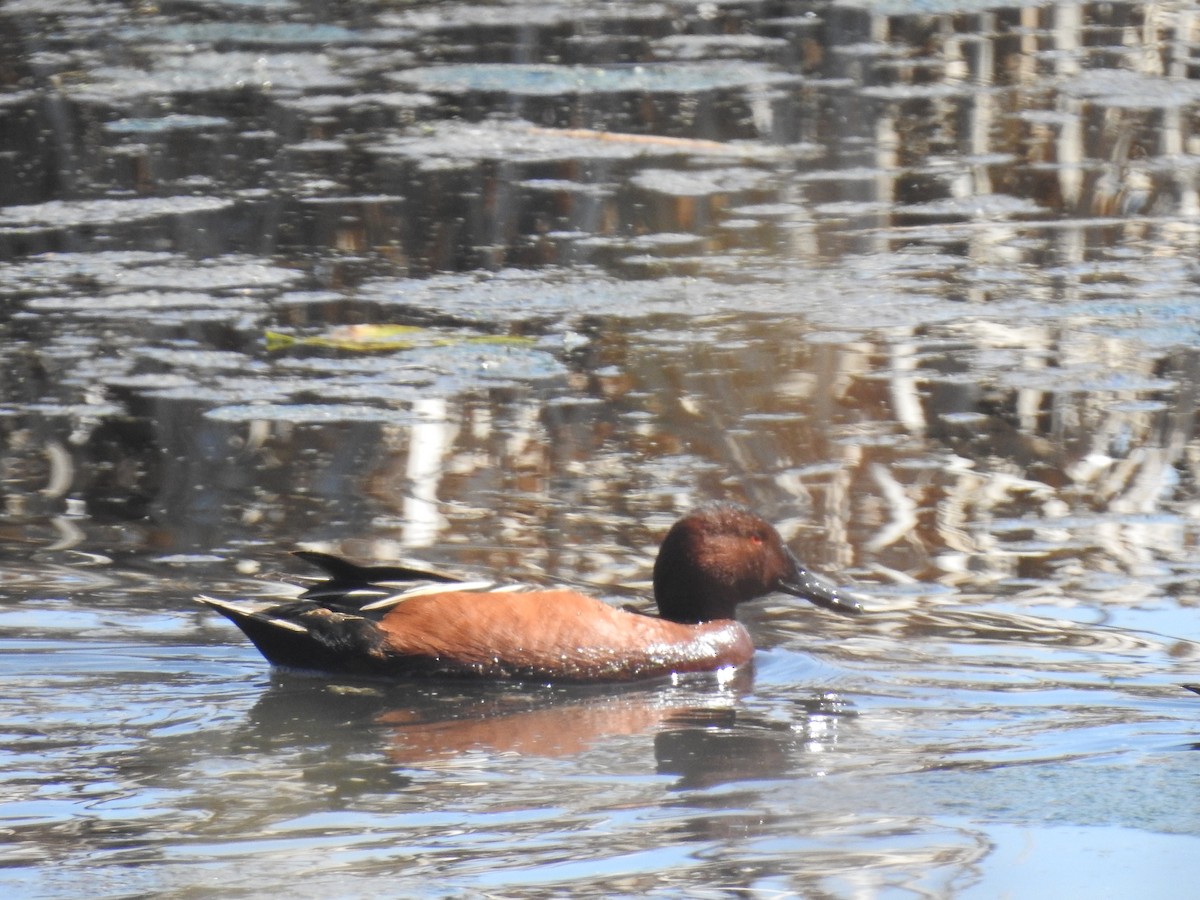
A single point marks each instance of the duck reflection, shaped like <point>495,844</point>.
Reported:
<point>700,732</point>
<point>710,747</point>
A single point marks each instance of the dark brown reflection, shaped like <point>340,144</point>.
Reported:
<point>709,747</point>
<point>699,732</point>
<point>922,289</point>
<point>377,148</point>
<point>965,452</point>
<point>424,724</point>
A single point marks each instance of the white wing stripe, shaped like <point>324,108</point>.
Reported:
<point>439,588</point>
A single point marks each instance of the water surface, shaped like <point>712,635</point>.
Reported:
<point>509,288</point>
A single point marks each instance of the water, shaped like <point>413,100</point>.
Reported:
<point>509,288</point>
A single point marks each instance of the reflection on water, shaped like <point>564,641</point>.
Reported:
<point>921,288</point>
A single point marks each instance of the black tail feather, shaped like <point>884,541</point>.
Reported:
<point>321,641</point>
<point>347,576</point>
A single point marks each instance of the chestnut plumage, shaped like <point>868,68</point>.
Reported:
<point>399,621</point>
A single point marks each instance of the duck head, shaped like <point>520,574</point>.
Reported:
<point>723,554</point>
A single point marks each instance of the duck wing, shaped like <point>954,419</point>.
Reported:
<point>352,588</point>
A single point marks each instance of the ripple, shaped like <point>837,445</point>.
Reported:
<point>309,413</point>
<point>542,80</point>
<point>75,213</point>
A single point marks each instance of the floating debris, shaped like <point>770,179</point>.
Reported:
<point>558,81</point>
<point>434,146</point>
<point>375,338</point>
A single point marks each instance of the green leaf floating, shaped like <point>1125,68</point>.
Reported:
<point>376,338</point>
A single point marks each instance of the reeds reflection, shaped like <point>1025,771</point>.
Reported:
<point>917,283</point>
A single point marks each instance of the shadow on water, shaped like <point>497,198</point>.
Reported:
<point>507,288</point>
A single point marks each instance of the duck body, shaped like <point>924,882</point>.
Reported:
<point>398,622</point>
<point>550,635</point>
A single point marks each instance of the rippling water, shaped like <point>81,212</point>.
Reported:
<point>510,287</point>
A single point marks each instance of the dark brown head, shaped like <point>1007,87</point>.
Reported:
<point>721,555</point>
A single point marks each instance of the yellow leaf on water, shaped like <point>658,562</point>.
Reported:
<point>511,340</point>
<point>278,341</point>
<point>374,338</point>
<point>363,338</point>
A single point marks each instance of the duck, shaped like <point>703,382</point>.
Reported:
<point>401,622</point>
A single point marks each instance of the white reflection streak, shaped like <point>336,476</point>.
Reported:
<point>1147,478</point>
<point>906,403</point>
<point>519,443</point>
<point>432,436</point>
<point>983,122</point>
<point>1067,20</point>
<point>62,470</point>
<point>1185,28</point>
<point>887,158</point>
<point>904,510</point>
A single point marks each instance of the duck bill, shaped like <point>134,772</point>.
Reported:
<point>818,591</point>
